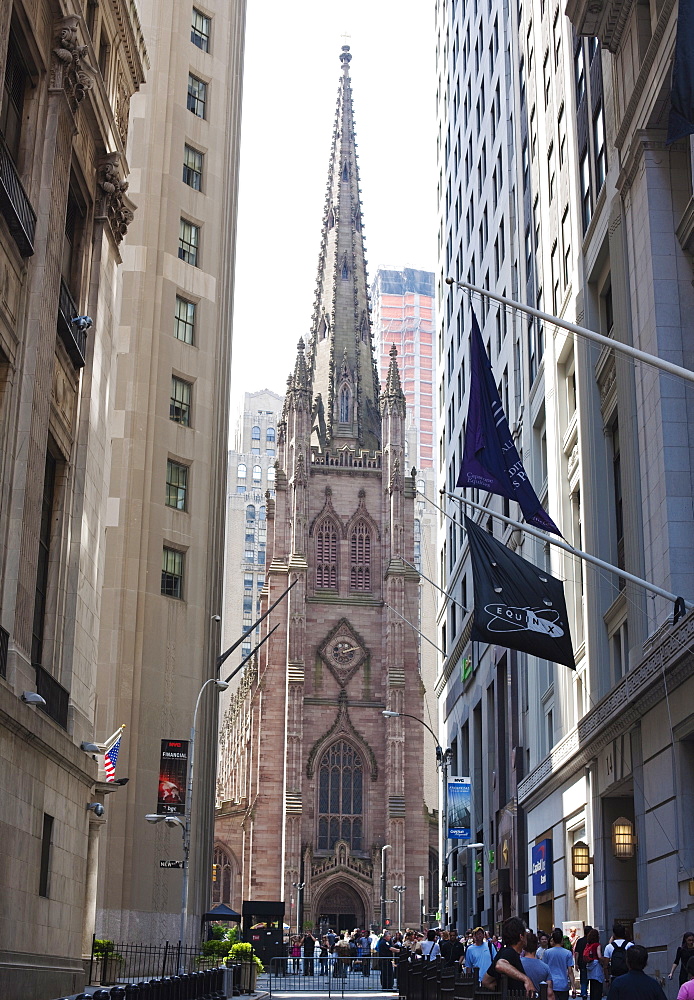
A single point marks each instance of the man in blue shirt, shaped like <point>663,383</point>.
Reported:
<point>479,955</point>
<point>561,965</point>
<point>534,968</point>
<point>636,985</point>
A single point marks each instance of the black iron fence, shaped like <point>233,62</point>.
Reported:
<point>422,980</point>
<point>188,986</point>
<point>125,963</point>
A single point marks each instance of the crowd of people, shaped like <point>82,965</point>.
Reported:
<point>569,968</point>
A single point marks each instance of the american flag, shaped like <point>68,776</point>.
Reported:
<point>110,758</point>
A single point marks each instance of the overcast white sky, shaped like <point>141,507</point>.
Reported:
<point>292,71</point>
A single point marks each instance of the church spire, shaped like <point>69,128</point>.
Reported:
<point>345,379</point>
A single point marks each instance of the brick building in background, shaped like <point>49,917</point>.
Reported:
<point>313,781</point>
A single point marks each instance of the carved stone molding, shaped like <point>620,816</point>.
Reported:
<point>114,206</point>
<point>70,71</point>
<point>342,726</point>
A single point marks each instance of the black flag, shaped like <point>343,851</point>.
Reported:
<point>517,605</point>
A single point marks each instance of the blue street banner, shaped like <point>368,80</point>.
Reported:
<point>681,121</point>
<point>542,867</point>
<point>490,458</point>
<point>459,795</point>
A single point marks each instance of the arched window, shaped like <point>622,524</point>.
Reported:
<point>270,434</point>
<point>255,433</point>
<point>241,471</point>
<point>326,556</point>
<point>271,474</point>
<point>222,887</point>
<point>360,557</point>
<point>344,405</point>
<point>340,800</point>
<point>262,513</point>
<point>257,473</point>
<point>345,270</point>
<point>250,512</point>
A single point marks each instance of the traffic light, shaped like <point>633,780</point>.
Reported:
<point>214,873</point>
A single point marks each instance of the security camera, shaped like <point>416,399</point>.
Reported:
<point>96,808</point>
<point>83,322</point>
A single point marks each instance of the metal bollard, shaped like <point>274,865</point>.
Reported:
<point>175,988</point>
<point>145,990</point>
<point>101,994</point>
<point>155,989</point>
<point>117,993</point>
<point>132,991</point>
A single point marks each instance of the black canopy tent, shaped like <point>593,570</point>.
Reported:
<point>220,912</point>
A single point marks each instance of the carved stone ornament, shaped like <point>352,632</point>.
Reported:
<point>342,727</point>
<point>113,201</point>
<point>343,652</point>
<point>70,70</point>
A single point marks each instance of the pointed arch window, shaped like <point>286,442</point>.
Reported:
<point>345,270</point>
<point>360,557</point>
<point>223,884</point>
<point>340,797</point>
<point>326,556</point>
<point>344,404</point>
<point>345,171</point>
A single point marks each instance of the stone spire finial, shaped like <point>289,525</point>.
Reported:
<point>300,371</point>
<point>393,384</point>
<point>345,58</point>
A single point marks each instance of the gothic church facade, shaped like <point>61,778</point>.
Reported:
<point>314,782</point>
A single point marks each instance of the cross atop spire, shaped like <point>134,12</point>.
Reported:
<point>340,352</point>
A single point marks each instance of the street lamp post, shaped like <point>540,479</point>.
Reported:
<point>399,889</point>
<point>443,758</point>
<point>299,886</point>
<point>473,881</point>
<point>385,848</point>
<point>185,823</point>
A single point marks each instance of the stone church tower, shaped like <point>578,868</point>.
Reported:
<point>314,781</point>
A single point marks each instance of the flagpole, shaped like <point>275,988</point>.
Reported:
<point>416,629</point>
<point>599,338</point>
<point>444,592</point>
<point>586,556</point>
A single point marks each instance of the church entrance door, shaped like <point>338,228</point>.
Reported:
<point>341,909</point>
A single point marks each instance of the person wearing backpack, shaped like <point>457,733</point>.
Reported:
<point>580,962</point>
<point>616,952</point>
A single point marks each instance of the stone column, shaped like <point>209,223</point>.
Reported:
<point>90,886</point>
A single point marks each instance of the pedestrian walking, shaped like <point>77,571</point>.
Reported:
<point>579,961</point>
<point>687,989</point>
<point>535,968</point>
<point>635,984</point>
<point>309,946</point>
<point>595,968</point>
<point>561,965</point>
<point>480,954</point>
<point>684,953</point>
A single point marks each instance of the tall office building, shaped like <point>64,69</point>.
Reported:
<point>319,790</point>
<point>403,316</point>
<point>67,84</point>
<point>250,475</point>
<point>584,767</point>
<point>165,519</point>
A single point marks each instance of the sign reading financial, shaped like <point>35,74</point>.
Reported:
<point>173,771</point>
<point>542,867</point>
<point>459,808</point>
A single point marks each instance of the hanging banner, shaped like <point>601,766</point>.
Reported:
<point>459,808</point>
<point>173,772</point>
<point>541,860</point>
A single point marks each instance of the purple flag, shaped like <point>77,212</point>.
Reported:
<point>490,460</point>
<point>681,122</point>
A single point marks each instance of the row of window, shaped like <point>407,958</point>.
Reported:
<point>359,557</point>
<point>242,472</point>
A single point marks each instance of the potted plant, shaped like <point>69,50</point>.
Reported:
<point>242,954</point>
<point>105,961</point>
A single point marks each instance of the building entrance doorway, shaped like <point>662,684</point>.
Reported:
<point>341,909</point>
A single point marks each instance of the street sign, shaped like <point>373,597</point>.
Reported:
<point>171,864</point>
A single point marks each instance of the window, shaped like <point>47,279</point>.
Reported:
<point>326,556</point>
<point>250,513</point>
<point>580,73</point>
<point>44,871</point>
<point>600,147</point>
<point>11,108</point>
<point>176,485</point>
<point>255,433</point>
<point>248,581</point>
<point>179,406</point>
<point>197,96</point>
<point>249,555</point>
<point>257,474</point>
<point>200,30</point>
<point>566,243</point>
<point>344,405</point>
<point>188,242</point>
<point>340,801</point>
<point>172,573</point>
<point>241,471</point>
<point>222,886</point>
<point>184,320</point>
<point>271,474</point>
<point>270,434</point>
<point>360,557</point>
<point>586,207</point>
<point>192,167</point>
<point>270,452</point>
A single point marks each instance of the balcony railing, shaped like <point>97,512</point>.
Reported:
<point>15,205</point>
<point>55,695</point>
<point>74,339</point>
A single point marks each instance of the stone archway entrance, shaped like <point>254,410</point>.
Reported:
<point>341,908</point>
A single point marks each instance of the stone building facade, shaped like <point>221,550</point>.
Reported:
<point>69,71</point>
<point>314,783</point>
<point>164,523</point>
